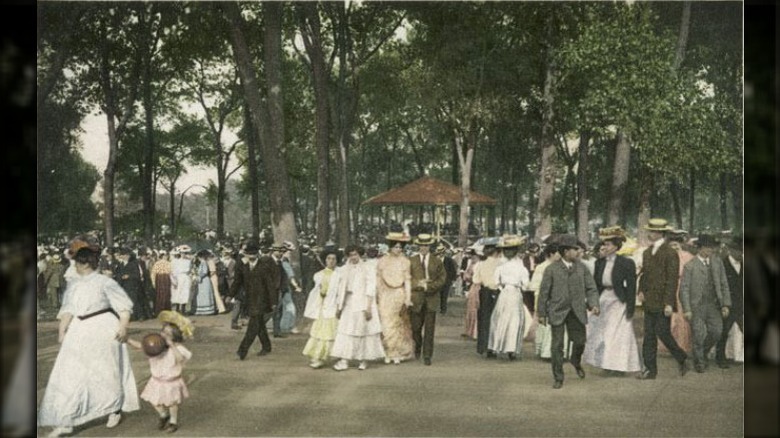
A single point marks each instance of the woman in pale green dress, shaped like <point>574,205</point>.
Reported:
<point>321,307</point>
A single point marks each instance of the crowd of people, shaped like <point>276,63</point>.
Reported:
<point>361,304</point>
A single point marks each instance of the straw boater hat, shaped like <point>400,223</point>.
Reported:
<point>613,232</point>
<point>657,224</point>
<point>490,241</point>
<point>424,239</point>
<point>397,237</point>
<point>278,247</point>
<point>179,320</point>
<point>511,241</point>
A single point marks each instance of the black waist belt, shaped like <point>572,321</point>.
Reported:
<point>489,289</point>
<point>90,315</point>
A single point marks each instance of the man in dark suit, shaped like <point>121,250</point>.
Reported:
<point>451,268</point>
<point>732,262</point>
<point>428,277</point>
<point>705,298</point>
<point>566,293</point>
<point>657,289</point>
<point>128,275</point>
<point>260,278</point>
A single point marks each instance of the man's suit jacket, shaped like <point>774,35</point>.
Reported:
<point>131,284</point>
<point>437,275</point>
<point>623,281</point>
<point>659,277</point>
<point>261,285</point>
<point>693,287</point>
<point>734,280</point>
<point>563,290</point>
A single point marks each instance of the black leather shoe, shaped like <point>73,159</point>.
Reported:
<point>263,352</point>
<point>699,368</point>
<point>241,355</point>
<point>163,422</point>
<point>723,365</point>
<point>416,354</point>
<point>279,335</point>
<point>558,384</point>
<point>511,356</point>
<point>580,372</point>
<point>235,327</point>
<point>490,355</point>
<point>685,366</point>
<point>646,375</point>
<point>427,360</point>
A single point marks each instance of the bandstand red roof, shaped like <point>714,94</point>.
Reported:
<point>427,191</point>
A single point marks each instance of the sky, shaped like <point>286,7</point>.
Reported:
<point>94,141</point>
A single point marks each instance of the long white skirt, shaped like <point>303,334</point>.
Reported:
<point>181,293</point>
<point>507,322</point>
<point>356,338</point>
<point>91,377</point>
<point>611,342</point>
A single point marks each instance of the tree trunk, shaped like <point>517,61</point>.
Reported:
<point>682,38</point>
<point>548,163</point>
<point>646,189</point>
<point>465,188</point>
<point>724,201</point>
<point>692,202</point>
<point>148,154</point>
<point>172,207</point>
<point>619,179</point>
<point>268,120</point>
<point>221,183</point>
<point>342,228</point>
<point>251,146</point>
<point>108,179</point>
<point>736,194</point>
<point>674,188</point>
<point>582,188</point>
<point>310,27</point>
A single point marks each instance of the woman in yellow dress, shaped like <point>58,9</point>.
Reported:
<point>394,297</point>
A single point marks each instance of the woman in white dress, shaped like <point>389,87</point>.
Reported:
<point>358,336</point>
<point>509,316</point>
<point>321,307</point>
<point>181,282</point>
<point>92,376</point>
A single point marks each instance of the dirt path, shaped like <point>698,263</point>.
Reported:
<point>461,394</point>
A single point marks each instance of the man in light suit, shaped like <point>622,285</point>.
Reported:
<point>567,292</point>
<point>705,297</point>
<point>428,277</point>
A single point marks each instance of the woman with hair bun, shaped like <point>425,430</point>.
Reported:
<point>92,376</point>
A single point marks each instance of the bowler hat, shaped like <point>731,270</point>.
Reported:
<point>251,248</point>
<point>706,241</point>
<point>568,241</point>
<point>614,232</point>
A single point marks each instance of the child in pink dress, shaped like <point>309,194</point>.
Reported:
<point>166,388</point>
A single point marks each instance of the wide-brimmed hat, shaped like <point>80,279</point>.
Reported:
<point>568,241</point>
<point>185,249</point>
<point>179,320</point>
<point>490,241</point>
<point>278,247</point>
<point>424,239</point>
<point>397,237</point>
<point>657,224</point>
<point>613,232</point>
<point>706,241</point>
<point>511,241</point>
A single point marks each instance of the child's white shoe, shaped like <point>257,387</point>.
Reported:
<point>341,365</point>
<point>363,365</point>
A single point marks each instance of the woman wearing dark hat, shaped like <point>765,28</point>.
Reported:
<point>394,297</point>
<point>92,376</point>
<point>611,342</point>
